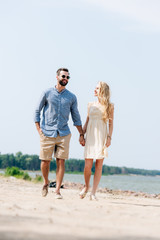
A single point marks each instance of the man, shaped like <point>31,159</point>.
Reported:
<point>55,105</point>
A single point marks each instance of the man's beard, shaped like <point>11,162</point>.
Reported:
<point>62,83</point>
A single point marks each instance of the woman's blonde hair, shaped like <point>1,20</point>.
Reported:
<point>104,98</point>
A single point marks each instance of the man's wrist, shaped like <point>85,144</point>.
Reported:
<point>81,134</point>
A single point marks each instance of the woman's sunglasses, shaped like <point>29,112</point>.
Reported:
<point>63,76</point>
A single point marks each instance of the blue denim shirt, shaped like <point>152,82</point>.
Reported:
<point>53,112</point>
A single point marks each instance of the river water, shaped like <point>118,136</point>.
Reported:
<point>136,183</point>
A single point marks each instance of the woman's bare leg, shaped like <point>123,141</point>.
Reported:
<point>97,175</point>
<point>87,172</point>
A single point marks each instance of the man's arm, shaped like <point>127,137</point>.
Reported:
<point>81,135</point>
<point>38,127</point>
<point>39,107</point>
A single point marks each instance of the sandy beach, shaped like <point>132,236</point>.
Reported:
<point>24,214</point>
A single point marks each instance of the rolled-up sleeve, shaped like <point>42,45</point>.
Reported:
<point>39,107</point>
<point>75,113</point>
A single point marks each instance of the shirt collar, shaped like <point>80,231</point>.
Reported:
<point>61,91</point>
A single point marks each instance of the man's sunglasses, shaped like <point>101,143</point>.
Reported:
<point>63,76</point>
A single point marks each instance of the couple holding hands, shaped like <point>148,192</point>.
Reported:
<point>51,119</point>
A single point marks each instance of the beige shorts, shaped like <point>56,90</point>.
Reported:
<point>58,145</point>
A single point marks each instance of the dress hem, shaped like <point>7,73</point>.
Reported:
<point>94,157</point>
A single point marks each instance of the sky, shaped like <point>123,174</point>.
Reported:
<point>115,41</point>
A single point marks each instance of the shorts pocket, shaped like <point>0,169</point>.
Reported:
<point>42,134</point>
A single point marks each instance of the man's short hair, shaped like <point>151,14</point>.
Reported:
<point>62,69</point>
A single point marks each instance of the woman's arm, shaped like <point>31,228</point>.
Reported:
<point>85,125</point>
<point>109,136</point>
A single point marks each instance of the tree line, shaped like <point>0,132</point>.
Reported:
<point>32,163</point>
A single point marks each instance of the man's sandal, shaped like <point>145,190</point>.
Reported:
<point>58,196</point>
<point>45,190</point>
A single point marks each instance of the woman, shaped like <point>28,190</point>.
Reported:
<point>98,136</point>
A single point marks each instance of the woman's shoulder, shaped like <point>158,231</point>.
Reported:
<point>90,104</point>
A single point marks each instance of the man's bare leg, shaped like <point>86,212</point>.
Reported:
<point>59,173</point>
<point>45,166</point>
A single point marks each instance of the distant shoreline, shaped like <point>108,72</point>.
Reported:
<point>72,165</point>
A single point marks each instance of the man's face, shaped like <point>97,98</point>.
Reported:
<point>63,78</point>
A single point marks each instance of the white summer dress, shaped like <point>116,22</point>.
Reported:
<point>96,134</point>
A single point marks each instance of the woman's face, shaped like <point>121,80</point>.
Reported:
<point>96,91</point>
